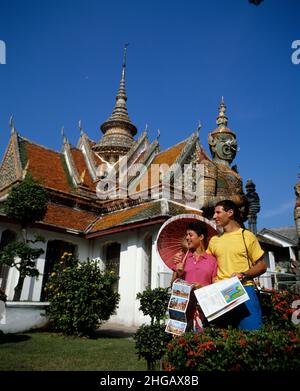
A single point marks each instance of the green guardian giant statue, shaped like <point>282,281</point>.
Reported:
<point>221,180</point>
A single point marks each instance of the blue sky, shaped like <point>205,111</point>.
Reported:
<point>63,63</point>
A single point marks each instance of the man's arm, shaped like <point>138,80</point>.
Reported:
<point>256,270</point>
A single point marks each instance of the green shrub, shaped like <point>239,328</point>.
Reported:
<point>235,350</point>
<point>154,302</point>
<point>151,340</point>
<point>81,296</point>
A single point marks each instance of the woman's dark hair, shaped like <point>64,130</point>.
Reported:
<point>199,227</point>
<point>227,205</point>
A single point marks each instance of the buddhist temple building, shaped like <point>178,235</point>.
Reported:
<point>109,198</point>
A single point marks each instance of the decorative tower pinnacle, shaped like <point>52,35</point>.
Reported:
<point>63,135</point>
<point>118,129</point>
<point>11,124</point>
<point>199,127</point>
<point>80,127</point>
<point>222,120</point>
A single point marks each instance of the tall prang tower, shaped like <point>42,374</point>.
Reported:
<point>118,130</point>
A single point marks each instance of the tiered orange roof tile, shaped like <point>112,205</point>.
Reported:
<point>68,218</point>
<point>166,157</point>
<point>170,155</point>
<point>47,166</point>
<point>82,169</point>
<point>135,214</point>
<point>122,217</point>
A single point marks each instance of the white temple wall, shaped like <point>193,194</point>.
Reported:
<point>134,267</point>
<point>132,271</point>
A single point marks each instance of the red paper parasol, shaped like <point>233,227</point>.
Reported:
<point>173,232</point>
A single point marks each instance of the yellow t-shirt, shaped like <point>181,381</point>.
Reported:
<point>231,254</point>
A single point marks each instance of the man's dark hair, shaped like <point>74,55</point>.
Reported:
<point>199,227</point>
<point>227,205</point>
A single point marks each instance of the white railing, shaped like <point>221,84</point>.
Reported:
<point>278,280</point>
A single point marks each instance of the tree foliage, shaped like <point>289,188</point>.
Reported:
<point>27,202</point>
<point>20,255</point>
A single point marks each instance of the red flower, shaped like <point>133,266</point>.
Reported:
<point>243,342</point>
<point>181,341</point>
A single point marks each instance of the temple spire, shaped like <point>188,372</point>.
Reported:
<point>122,91</point>
<point>118,129</point>
<point>120,114</point>
<point>124,61</point>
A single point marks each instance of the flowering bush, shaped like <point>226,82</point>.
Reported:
<point>235,350</point>
<point>277,308</point>
<point>275,347</point>
<point>81,296</point>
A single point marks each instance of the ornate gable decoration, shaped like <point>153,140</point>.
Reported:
<point>11,167</point>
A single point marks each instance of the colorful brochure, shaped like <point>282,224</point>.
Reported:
<point>179,307</point>
<point>218,298</point>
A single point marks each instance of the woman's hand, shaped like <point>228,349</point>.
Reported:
<point>179,267</point>
<point>197,285</point>
<point>178,257</point>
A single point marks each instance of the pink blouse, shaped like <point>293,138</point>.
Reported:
<point>203,271</point>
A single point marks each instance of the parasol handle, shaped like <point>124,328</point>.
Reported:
<point>185,257</point>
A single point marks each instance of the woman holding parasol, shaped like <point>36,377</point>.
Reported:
<point>181,244</point>
<point>195,266</point>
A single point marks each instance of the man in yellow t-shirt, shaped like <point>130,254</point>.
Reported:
<point>239,254</point>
